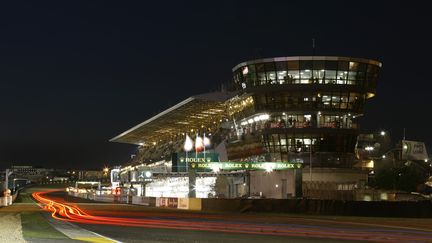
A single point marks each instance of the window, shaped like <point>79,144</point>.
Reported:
<point>251,75</point>
<point>261,74</point>
<point>261,78</point>
<point>335,101</point>
<point>352,75</point>
<point>271,77</point>
<point>318,75</point>
<point>281,68</point>
<point>282,77</point>
<point>330,76</point>
<point>306,76</point>
<point>293,77</point>
<point>344,101</point>
<point>353,66</point>
<point>251,78</point>
<point>360,76</point>
<point>326,99</point>
<point>342,77</point>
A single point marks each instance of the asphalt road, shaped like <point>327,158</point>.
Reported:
<point>128,223</point>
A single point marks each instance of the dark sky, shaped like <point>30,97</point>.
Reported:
<point>74,74</point>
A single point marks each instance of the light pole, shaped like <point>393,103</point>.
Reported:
<point>310,162</point>
<point>8,173</point>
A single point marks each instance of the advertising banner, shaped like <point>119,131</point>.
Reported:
<point>183,203</point>
<point>229,166</point>
<point>184,159</point>
<point>168,202</point>
<point>413,150</point>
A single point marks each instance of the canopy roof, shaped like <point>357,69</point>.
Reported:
<point>195,112</point>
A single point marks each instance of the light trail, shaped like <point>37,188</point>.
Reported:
<point>72,213</point>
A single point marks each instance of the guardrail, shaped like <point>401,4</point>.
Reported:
<point>102,198</point>
<point>418,209</point>
<point>163,202</point>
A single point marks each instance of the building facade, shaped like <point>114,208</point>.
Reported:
<point>287,109</point>
<point>312,104</point>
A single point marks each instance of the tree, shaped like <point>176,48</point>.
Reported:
<point>405,178</point>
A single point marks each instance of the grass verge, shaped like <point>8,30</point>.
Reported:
<point>35,226</point>
<point>24,197</point>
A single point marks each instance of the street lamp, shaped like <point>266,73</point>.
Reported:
<point>105,171</point>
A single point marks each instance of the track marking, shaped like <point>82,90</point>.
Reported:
<point>77,233</point>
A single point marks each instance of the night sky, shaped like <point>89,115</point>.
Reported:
<point>74,74</point>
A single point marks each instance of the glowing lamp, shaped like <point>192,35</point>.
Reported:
<point>188,145</point>
<point>206,141</point>
<point>199,144</point>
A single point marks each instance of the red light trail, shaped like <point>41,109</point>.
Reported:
<point>72,213</point>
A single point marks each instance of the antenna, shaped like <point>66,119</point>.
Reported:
<point>313,46</point>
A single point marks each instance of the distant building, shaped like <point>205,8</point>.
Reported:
<point>34,174</point>
<point>90,175</point>
<point>372,148</point>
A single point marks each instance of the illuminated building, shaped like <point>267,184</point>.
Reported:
<point>34,174</point>
<point>289,109</point>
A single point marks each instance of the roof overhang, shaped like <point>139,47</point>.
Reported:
<point>307,58</point>
<point>192,113</point>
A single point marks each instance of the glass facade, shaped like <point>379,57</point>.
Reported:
<point>310,100</point>
<point>307,72</point>
<point>310,103</point>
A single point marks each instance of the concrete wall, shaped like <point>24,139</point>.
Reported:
<point>275,184</point>
<point>419,209</point>
<point>335,175</point>
<point>231,186</point>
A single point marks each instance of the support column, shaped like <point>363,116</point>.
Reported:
<point>298,182</point>
<point>192,183</point>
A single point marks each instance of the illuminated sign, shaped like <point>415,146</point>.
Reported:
<point>182,160</point>
<point>413,150</point>
<point>146,176</point>
<point>267,166</point>
<point>209,162</point>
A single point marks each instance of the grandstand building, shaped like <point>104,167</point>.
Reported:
<point>298,110</point>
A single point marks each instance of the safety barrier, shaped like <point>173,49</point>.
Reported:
<point>102,198</point>
<point>163,202</point>
<point>302,206</point>
<point>146,201</point>
<point>179,203</point>
<point>6,201</point>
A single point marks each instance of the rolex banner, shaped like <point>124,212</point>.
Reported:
<point>413,150</point>
<point>230,166</point>
<point>182,160</point>
<point>209,162</point>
